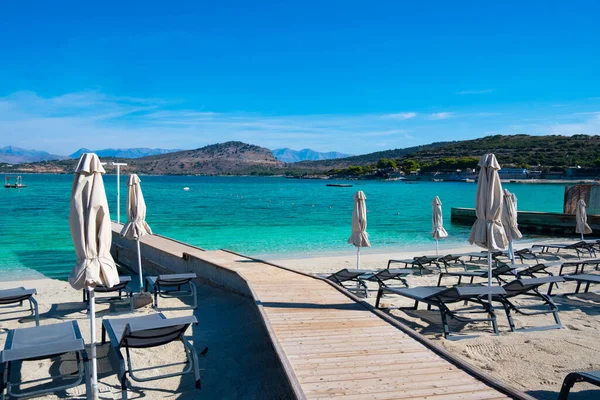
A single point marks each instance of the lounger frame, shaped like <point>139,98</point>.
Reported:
<point>20,298</point>
<point>443,296</point>
<point>161,285</point>
<point>6,387</point>
<point>529,288</point>
<point>592,377</point>
<point>135,339</point>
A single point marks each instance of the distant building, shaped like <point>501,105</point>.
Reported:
<point>581,173</point>
<point>513,173</point>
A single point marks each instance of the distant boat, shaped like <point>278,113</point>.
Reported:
<point>186,188</point>
<point>339,184</point>
<point>17,185</point>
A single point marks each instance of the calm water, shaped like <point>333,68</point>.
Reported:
<point>256,216</point>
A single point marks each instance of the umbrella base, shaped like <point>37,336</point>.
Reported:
<point>141,299</point>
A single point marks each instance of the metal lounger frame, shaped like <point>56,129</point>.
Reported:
<point>160,284</point>
<point>33,305</point>
<point>82,371</point>
<point>444,296</point>
<point>381,277</point>
<point>161,339</point>
<point>418,262</point>
<point>592,377</point>
<point>529,287</point>
<point>120,287</point>
<point>345,275</point>
<point>580,248</point>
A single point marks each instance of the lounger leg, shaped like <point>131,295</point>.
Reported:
<point>445,322</point>
<point>194,293</point>
<point>33,302</point>
<point>86,375</point>
<point>568,383</point>
<point>440,280</point>
<point>156,296</point>
<point>122,374</point>
<point>587,287</point>
<point>511,322</point>
<point>379,294</point>
<point>3,379</point>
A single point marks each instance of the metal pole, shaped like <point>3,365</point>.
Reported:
<point>94,369</point>
<point>118,165</point>
<point>139,255</point>
<point>358,258</point>
<point>437,250</point>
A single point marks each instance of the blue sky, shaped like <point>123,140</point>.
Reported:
<point>349,76</point>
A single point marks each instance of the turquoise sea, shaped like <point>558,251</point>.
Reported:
<point>261,216</point>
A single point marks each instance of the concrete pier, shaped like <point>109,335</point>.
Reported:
<point>555,224</point>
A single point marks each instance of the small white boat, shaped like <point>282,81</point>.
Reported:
<point>186,188</point>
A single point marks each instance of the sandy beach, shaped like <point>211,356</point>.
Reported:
<point>535,362</point>
<point>241,365</point>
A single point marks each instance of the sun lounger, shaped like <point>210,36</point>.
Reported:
<point>530,288</point>
<point>19,295</point>
<point>38,343</point>
<point>525,254</point>
<point>592,377</point>
<point>441,297</point>
<point>345,276</point>
<point>586,279</point>
<point>120,287</point>
<point>386,276</point>
<point>169,285</point>
<point>419,263</point>
<point>579,265</point>
<point>481,255</point>
<point>149,331</point>
<point>502,270</point>
<point>580,248</point>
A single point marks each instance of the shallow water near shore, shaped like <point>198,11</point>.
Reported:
<point>259,216</point>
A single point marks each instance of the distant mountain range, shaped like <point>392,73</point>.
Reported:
<point>137,152</point>
<point>292,156</point>
<point>17,155</point>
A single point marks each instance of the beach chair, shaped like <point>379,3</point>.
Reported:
<point>586,279</point>
<point>525,254</point>
<point>120,287</point>
<point>579,265</point>
<point>441,297</point>
<point>387,276</point>
<point>497,273</point>
<point>580,248</point>
<point>592,377</point>
<point>149,331</point>
<point>169,285</point>
<point>345,276</point>
<point>39,343</point>
<point>418,263</point>
<point>529,288</point>
<point>19,295</point>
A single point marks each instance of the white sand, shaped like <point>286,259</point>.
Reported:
<point>240,362</point>
<point>535,362</point>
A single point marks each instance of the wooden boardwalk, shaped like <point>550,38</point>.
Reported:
<point>334,346</point>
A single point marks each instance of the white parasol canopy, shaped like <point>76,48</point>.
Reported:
<point>509,221</point>
<point>437,222</point>
<point>487,231</point>
<point>581,219</point>
<point>136,225</point>
<point>359,237</point>
<point>89,221</point>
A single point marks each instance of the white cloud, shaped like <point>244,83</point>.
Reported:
<point>400,116</point>
<point>484,91</point>
<point>441,115</point>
